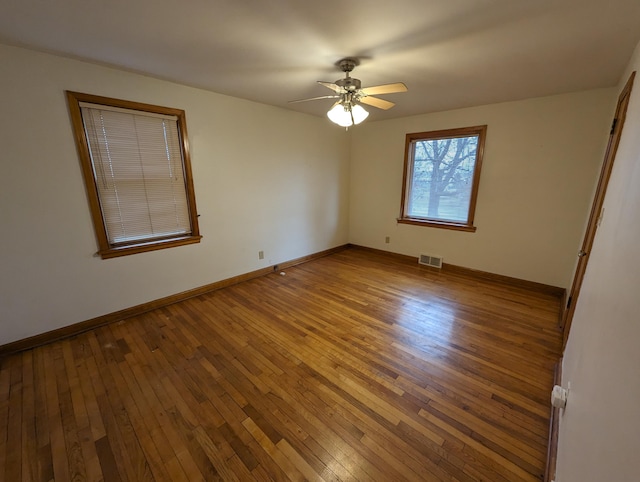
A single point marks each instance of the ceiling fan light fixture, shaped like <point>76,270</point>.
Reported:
<point>359,113</point>
<point>347,114</point>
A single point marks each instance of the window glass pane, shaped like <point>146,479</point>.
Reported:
<point>442,178</point>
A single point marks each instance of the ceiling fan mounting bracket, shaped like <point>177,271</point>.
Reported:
<point>348,64</point>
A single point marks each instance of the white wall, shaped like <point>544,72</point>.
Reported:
<point>273,180</point>
<point>265,179</point>
<point>540,165</point>
<point>599,434</point>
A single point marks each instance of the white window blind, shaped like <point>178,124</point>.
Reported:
<point>139,174</point>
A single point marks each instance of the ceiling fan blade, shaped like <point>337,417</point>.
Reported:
<point>384,89</point>
<point>315,98</point>
<point>332,86</point>
<point>375,102</point>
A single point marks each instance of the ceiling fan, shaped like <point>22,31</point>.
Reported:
<point>347,110</point>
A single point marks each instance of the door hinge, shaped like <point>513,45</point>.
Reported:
<point>569,302</point>
<point>613,125</point>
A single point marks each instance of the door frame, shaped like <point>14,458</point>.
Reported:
<point>596,208</point>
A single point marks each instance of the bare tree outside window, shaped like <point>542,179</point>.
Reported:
<point>442,171</point>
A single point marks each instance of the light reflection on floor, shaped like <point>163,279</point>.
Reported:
<point>426,324</point>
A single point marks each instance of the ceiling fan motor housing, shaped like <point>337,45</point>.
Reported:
<point>349,83</point>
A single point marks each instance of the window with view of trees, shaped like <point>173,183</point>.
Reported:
<point>442,172</point>
<point>135,161</point>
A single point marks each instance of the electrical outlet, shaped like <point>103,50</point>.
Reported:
<point>260,254</point>
<point>387,240</point>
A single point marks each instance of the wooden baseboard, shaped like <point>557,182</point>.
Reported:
<point>388,254</point>
<point>522,283</point>
<point>554,422</point>
<point>474,273</point>
<point>77,328</point>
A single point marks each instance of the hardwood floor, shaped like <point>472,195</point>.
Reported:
<point>356,366</point>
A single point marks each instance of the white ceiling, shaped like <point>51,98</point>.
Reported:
<point>450,53</point>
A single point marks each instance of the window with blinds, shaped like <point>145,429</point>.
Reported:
<point>136,166</point>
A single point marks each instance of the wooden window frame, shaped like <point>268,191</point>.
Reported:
<point>105,248</point>
<point>405,218</point>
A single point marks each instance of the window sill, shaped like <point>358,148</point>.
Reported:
<point>436,224</point>
<point>117,251</point>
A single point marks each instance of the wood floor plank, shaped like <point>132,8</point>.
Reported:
<point>14,454</point>
<point>355,366</point>
<point>28,438</point>
<point>168,456</point>
<point>44,465</point>
<point>81,435</point>
<point>5,384</point>
<point>120,430</point>
<point>59,455</point>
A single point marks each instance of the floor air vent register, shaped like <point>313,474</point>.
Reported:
<point>428,260</point>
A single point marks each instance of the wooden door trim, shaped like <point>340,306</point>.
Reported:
<point>596,207</point>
